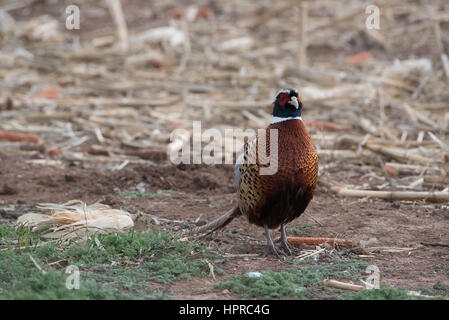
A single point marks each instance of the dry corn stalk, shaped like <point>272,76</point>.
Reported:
<point>394,195</point>
<point>342,285</point>
<point>75,219</point>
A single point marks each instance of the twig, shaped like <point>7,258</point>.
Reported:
<point>343,285</point>
<point>396,153</point>
<point>393,195</point>
<point>437,140</point>
<point>326,125</point>
<point>311,254</point>
<point>98,134</point>
<point>389,249</point>
<point>117,13</point>
<point>121,166</point>
<point>302,58</point>
<point>271,14</point>
<point>297,241</point>
<point>242,104</point>
<point>38,266</point>
<point>341,153</point>
<point>399,168</point>
<point>17,136</point>
<point>437,30</point>
<point>435,244</point>
<point>445,64</point>
<point>357,288</point>
<point>342,18</point>
<point>211,269</point>
<point>243,255</point>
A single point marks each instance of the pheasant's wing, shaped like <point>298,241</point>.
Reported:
<point>249,183</point>
<point>243,161</point>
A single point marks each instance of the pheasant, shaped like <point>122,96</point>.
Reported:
<point>273,200</point>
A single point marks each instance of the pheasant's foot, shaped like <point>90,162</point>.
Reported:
<point>284,243</point>
<point>270,242</point>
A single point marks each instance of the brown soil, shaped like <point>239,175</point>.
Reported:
<point>205,192</point>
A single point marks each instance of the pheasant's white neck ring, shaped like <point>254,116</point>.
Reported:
<point>280,119</point>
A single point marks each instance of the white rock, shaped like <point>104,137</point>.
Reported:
<point>254,274</point>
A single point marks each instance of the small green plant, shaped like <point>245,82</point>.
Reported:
<point>442,267</point>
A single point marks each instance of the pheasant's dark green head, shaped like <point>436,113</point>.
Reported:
<point>287,104</point>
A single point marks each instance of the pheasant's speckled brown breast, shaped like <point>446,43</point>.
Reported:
<point>278,198</point>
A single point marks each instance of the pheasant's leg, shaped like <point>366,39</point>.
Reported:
<point>270,242</point>
<point>284,242</point>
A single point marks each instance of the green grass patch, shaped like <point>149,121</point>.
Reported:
<point>307,283</point>
<point>292,283</point>
<point>270,285</point>
<point>120,267</point>
<point>21,236</point>
<point>440,289</point>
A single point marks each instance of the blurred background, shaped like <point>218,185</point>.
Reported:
<point>87,108</point>
<point>111,78</point>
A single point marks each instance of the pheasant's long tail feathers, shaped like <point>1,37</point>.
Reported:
<point>216,224</point>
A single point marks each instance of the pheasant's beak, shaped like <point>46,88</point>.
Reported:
<point>294,102</point>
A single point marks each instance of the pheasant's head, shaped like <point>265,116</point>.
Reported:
<point>287,105</point>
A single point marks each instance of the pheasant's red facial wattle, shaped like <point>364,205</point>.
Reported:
<point>284,98</point>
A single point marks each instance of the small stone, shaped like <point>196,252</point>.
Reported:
<point>254,274</point>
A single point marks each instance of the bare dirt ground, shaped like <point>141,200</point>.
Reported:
<point>187,90</point>
<point>205,192</point>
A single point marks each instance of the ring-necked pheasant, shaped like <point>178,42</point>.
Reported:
<point>272,200</point>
